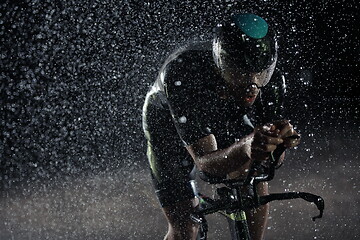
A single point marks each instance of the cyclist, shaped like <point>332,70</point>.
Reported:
<point>201,111</point>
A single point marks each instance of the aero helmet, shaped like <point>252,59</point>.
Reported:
<point>246,43</point>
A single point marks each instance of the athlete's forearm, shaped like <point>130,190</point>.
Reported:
<point>226,160</point>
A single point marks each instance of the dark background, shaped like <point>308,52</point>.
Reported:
<point>73,79</point>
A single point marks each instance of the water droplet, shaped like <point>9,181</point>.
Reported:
<point>182,119</point>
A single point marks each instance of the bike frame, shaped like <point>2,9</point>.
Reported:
<point>232,202</point>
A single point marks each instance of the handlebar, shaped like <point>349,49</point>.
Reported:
<point>317,200</point>
<point>230,204</point>
<point>229,201</point>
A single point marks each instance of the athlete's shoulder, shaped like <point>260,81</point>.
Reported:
<point>276,88</point>
<point>187,70</point>
<point>270,106</point>
<point>188,60</point>
<point>192,55</point>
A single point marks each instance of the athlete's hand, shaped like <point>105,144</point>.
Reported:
<point>266,139</point>
<point>287,133</point>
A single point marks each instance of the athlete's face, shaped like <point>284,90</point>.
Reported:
<point>244,88</point>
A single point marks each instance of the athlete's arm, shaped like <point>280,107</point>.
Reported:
<point>256,146</point>
<point>210,159</point>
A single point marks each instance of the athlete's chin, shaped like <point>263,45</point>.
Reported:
<point>247,101</point>
<point>243,104</point>
<point>247,104</point>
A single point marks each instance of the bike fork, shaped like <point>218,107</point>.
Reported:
<point>237,221</point>
<point>239,229</point>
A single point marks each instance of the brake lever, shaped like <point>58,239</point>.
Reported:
<point>317,200</point>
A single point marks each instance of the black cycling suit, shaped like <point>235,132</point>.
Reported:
<point>183,106</point>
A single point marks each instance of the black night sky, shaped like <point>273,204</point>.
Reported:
<point>73,79</point>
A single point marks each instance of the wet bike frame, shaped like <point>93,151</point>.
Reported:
<point>232,202</point>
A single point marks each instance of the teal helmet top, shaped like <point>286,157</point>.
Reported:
<point>252,25</point>
<point>245,42</point>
